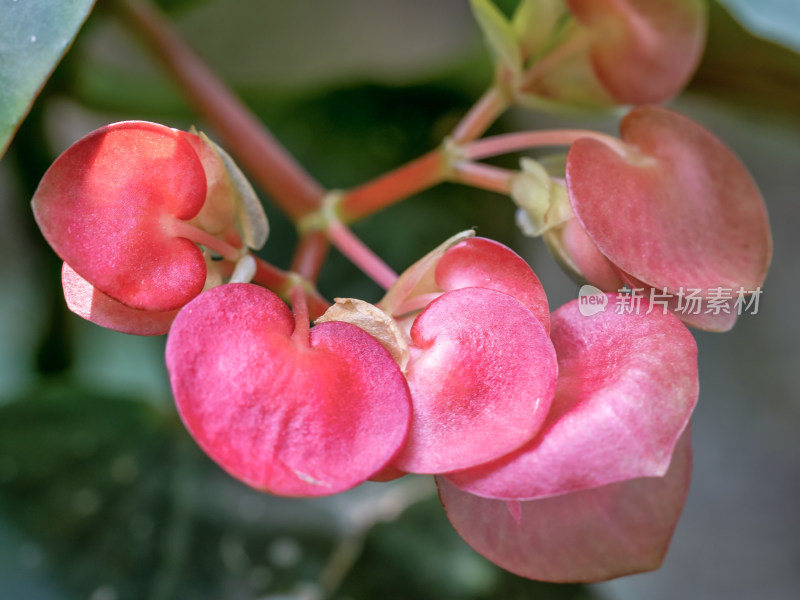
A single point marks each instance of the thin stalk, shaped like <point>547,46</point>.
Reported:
<point>297,297</point>
<point>370,197</point>
<point>480,117</point>
<point>486,177</point>
<point>310,255</point>
<point>281,282</point>
<point>579,41</point>
<point>360,255</point>
<point>523,140</point>
<point>186,230</point>
<point>270,164</point>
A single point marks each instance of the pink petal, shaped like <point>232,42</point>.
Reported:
<point>587,259</point>
<point>88,302</point>
<point>627,386</point>
<point>593,535</point>
<point>684,213</point>
<point>105,206</point>
<point>482,378</point>
<point>484,263</point>
<point>285,416</point>
<point>643,51</point>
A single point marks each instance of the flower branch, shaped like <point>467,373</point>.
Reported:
<point>270,164</point>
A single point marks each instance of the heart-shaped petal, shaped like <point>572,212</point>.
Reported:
<point>587,536</point>
<point>484,263</point>
<point>627,386</point>
<point>482,376</point>
<point>106,206</point>
<point>88,302</point>
<point>643,51</point>
<point>580,256</point>
<point>299,417</point>
<point>679,210</point>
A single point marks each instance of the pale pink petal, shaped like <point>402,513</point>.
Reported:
<point>643,51</point>
<point>88,302</point>
<point>587,259</point>
<point>594,535</point>
<point>627,386</point>
<point>681,211</point>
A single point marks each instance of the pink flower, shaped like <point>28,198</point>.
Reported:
<point>670,208</point>
<point>128,207</point>
<point>284,409</point>
<point>643,51</point>
<point>598,492</point>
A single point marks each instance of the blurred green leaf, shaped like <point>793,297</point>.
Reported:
<point>34,35</point>
<point>776,20</point>
<point>742,68</point>
<point>110,498</point>
<point>421,556</point>
<point>498,32</point>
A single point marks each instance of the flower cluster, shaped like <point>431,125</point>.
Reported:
<point>559,441</point>
<point>473,381</point>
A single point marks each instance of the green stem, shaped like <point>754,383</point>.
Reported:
<point>270,164</point>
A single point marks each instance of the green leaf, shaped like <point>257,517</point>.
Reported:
<point>108,497</point>
<point>499,33</point>
<point>535,23</point>
<point>34,35</point>
<point>742,68</point>
<point>776,20</point>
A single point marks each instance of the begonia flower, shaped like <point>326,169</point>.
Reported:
<point>597,493</point>
<point>672,207</point>
<point>128,208</point>
<point>285,409</point>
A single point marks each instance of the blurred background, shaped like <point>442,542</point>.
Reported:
<point>103,495</point>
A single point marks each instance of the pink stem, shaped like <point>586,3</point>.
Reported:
<point>270,164</point>
<point>310,254</point>
<point>297,297</point>
<point>372,196</point>
<point>281,283</point>
<point>361,256</point>
<point>183,229</point>
<point>424,172</point>
<point>481,116</point>
<point>522,140</point>
<point>487,177</point>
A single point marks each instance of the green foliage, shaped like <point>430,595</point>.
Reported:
<point>499,34</point>
<point>35,35</point>
<point>741,68</point>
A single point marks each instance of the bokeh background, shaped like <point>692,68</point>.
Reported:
<point>103,495</point>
